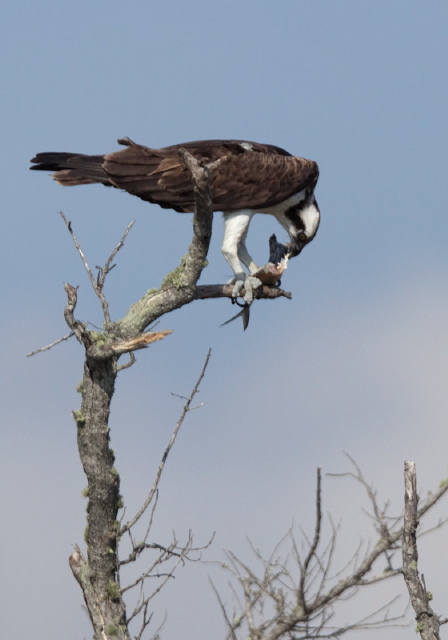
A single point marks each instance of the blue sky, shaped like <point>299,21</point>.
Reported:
<point>355,362</point>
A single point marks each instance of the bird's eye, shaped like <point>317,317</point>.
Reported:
<point>302,237</point>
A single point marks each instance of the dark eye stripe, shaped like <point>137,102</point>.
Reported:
<point>293,214</point>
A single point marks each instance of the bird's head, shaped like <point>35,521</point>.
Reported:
<point>302,222</point>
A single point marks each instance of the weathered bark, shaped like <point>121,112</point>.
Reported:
<point>101,586</point>
<point>428,623</point>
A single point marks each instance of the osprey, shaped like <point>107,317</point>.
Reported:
<point>252,178</point>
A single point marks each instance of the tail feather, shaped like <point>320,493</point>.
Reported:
<point>71,169</point>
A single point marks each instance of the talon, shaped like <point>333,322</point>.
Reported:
<point>249,283</point>
<point>238,285</point>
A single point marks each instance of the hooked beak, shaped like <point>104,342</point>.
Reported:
<point>294,248</point>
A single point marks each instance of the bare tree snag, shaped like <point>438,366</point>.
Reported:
<point>105,606</point>
<point>428,623</point>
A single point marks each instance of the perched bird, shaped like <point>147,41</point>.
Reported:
<point>279,254</point>
<point>252,178</point>
<point>269,275</point>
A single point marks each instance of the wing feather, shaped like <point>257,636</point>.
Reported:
<point>252,176</point>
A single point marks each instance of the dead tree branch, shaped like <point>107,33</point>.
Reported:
<point>428,623</point>
<point>103,271</point>
<point>294,594</point>
<point>149,499</point>
<point>98,283</point>
<point>50,346</point>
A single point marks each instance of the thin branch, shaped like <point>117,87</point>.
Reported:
<point>79,250</point>
<point>149,572</point>
<point>49,346</point>
<point>313,547</point>
<point>155,485</point>
<point>432,499</point>
<point>159,587</point>
<point>98,283</point>
<point>103,271</point>
<point>379,515</point>
<point>146,621</point>
<point>77,328</point>
<point>230,625</point>
<point>132,360</point>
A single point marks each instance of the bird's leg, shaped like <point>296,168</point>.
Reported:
<point>236,225</point>
<point>246,258</point>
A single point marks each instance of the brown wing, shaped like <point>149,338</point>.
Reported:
<point>252,176</point>
<point>259,180</point>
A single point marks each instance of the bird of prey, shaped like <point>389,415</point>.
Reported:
<point>251,178</point>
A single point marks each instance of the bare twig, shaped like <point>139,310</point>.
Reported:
<point>103,271</point>
<point>78,248</point>
<point>146,621</point>
<point>313,547</point>
<point>49,346</point>
<point>132,360</point>
<point>160,585</point>
<point>77,328</point>
<point>166,553</point>
<point>232,625</point>
<point>379,514</point>
<point>98,284</point>
<point>155,485</point>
